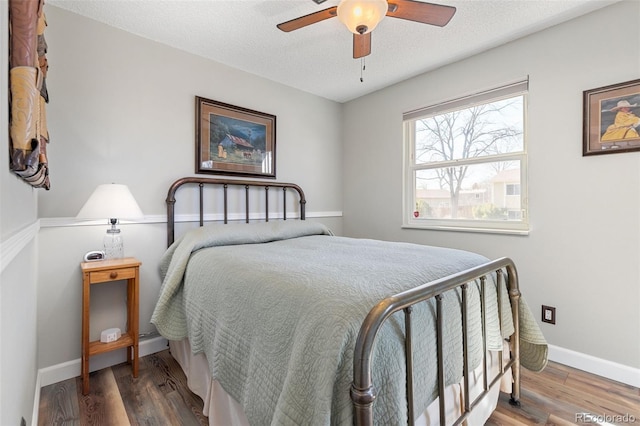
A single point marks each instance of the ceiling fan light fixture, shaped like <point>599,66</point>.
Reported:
<point>362,16</point>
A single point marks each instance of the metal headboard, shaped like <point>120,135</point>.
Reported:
<point>224,184</point>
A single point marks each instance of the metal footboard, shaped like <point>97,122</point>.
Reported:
<point>363,393</point>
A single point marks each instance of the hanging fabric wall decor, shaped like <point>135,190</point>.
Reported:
<point>28,92</point>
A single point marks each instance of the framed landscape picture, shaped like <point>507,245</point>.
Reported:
<point>612,119</point>
<point>231,140</point>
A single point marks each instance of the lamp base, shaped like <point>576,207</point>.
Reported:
<point>113,246</point>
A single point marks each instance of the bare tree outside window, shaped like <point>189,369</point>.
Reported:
<point>487,129</point>
<point>465,162</point>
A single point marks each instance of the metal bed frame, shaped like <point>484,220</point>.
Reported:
<point>363,393</point>
<point>225,183</point>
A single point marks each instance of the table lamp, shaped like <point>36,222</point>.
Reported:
<point>112,201</point>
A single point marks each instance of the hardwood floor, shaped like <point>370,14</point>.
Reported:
<point>158,396</point>
<point>559,395</point>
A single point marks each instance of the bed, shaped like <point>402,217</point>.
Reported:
<point>276,320</point>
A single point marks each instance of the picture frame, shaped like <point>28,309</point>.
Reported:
<point>611,119</point>
<point>232,140</point>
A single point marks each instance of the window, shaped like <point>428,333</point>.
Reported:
<point>465,163</point>
<point>513,189</point>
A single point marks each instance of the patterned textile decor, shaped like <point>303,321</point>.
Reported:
<point>28,92</point>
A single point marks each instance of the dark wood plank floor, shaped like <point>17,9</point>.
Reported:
<point>158,396</point>
<point>559,395</point>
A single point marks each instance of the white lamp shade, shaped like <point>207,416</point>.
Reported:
<point>362,16</point>
<point>111,201</point>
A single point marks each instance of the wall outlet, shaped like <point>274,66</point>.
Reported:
<point>548,314</point>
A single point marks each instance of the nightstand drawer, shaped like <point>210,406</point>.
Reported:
<point>112,275</point>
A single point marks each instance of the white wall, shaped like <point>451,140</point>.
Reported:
<point>18,260</point>
<point>122,110</point>
<point>18,338</point>
<point>582,253</point>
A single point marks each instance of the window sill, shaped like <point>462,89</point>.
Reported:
<point>501,231</point>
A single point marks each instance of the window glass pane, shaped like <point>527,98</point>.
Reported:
<point>485,191</point>
<point>513,189</point>
<point>478,131</point>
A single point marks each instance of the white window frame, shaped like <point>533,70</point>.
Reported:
<point>520,227</point>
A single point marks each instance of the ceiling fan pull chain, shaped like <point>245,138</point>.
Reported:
<point>364,67</point>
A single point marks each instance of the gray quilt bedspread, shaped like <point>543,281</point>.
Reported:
<point>276,307</point>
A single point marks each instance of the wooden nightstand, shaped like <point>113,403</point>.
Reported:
<point>101,272</point>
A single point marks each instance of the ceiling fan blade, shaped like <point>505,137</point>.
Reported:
<point>361,45</point>
<point>426,13</point>
<point>309,19</point>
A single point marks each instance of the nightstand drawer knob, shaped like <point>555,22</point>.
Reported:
<point>113,275</point>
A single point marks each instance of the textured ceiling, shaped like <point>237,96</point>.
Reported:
<point>318,58</point>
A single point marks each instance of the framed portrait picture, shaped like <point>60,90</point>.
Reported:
<point>612,119</point>
<point>231,140</point>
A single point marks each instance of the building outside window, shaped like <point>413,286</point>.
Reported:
<point>466,161</point>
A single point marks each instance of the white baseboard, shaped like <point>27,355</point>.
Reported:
<point>601,367</point>
<point>598,366</point>
<point>36,401</point>
<point>67,370</point>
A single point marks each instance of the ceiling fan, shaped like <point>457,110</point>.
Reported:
<point>362,16</point>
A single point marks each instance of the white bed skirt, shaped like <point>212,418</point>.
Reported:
<point>223,410</point>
